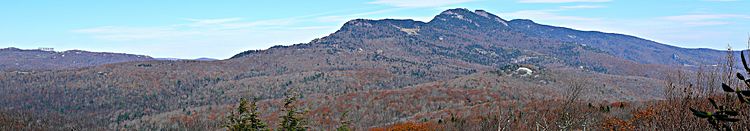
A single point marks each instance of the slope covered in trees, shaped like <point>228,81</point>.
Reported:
<point>462,69</point>
<point>14,59</point>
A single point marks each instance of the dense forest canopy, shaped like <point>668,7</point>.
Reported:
<point>463,70</point>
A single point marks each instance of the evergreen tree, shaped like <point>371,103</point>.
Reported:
<point>255,123</point>
<point>344,123</point>
<point>246,120</point>
<point>292,121</point>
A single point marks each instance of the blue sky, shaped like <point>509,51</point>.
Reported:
<point>222,28</point>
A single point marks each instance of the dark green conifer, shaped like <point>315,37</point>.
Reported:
<point>292,120</point>
<point>246,120</point>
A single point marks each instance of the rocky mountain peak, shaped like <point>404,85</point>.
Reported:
<point>461,17</point>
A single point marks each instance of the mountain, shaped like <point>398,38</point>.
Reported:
<point>20,59</point>
<point>168,59</point>
<point>485,29</point>
<point>623,46</point>
<point>178,59</point>
<point>380,71</point>
<point>205,59</point>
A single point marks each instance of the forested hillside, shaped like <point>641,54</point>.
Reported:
<point>14,59</point>
<point>463,70</point>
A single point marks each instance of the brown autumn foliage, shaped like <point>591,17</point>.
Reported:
<point>408,126</point>
<point>452,76</point>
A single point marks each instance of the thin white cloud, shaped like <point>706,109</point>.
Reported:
<point>187,40</point>
<point>418,3</point>
<point>707,23</point>
<point>266,23</point>
<point>314,27</point>
<point>225,27</point>
<point>287,22</point>
<point>344,18</point>
<point>120,33</point>
<point>213,21</point>
<point>704,19</point>
<point>560,1</point>
<point>721,0</point>
<point>582,7</point>
<point>699,17</point>
<point>551,15</point>
<point>554,14</point>
<point>195,28</point>
<point>235,34</point>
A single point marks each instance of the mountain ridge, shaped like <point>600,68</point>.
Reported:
<point>461,19</point>
<point>36,59</point>
<point>382,72</point>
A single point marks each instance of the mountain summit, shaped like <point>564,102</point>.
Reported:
<point>479,27</point>
<point>383,71</point>
<point>461,17</point>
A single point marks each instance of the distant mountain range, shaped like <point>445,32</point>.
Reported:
<point>177,59</point>
<point>20,59</point>
<point>459,59</point>
<point>483,28</point>
<point>37,59</point>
